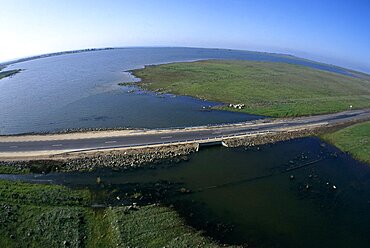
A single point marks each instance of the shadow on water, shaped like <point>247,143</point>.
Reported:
<point>299,193</point>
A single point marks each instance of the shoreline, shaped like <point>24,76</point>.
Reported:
<point>122,159</point>
<point>351,140</point>
<point>131,158</point>
<point>112,132</point>
<point>27,208</point>
<point>179,78</point>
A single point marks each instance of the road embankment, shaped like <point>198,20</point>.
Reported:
<point>131,158</point>
<point>118,158</point>
<point>131,149</point>
<point>283,135</point>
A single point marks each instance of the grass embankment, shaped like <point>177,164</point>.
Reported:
<point>41,215</point>
<point>266,88</point>
<point>354,140</point>
<point>10,169</point>
<point>33,215</point>
<point>4,74</point>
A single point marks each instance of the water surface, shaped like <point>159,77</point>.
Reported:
<point>80,91</point>
<point>327,204</point>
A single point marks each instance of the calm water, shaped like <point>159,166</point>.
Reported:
<point>250,190</point>
<point>81,91</point>
<point>254,193</point>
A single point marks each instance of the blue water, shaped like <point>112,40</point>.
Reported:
<point>80,91</point>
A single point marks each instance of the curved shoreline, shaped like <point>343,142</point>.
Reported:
<point>205,79</point>
<point>170,147</point>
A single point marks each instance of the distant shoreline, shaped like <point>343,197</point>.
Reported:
<point>53,54</point>
<point>352,72</point>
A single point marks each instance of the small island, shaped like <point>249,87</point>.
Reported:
<point>4,74</point>
<point>262,88</point>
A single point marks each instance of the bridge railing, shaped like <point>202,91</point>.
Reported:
<point>198,140</point>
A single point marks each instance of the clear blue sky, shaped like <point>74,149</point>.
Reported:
<point>335,31</point>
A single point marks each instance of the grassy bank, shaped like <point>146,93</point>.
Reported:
<point>272,89</point>
<point>10,169</point>
<point>354,140</point>
<point>33,215</point>
<point>4,74</point>
<point>41,215</point>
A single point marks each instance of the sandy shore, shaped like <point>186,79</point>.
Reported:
<point>108,133</point>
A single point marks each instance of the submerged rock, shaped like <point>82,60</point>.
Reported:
<point>66,243</point>
<point>185,190</point>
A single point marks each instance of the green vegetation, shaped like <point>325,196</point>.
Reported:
<point>4,74</point>
<point>266,88</point>
<point>39,166</point>
<point>10,169</point>
<point>127,84</point>
<point>354,140</point>
<point>155,227</point>
<point>34,215</point>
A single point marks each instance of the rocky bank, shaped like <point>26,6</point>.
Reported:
<point>119,159</point>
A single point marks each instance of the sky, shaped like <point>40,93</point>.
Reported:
<point>331,31</point>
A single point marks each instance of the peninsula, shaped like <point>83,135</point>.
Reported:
<point>4,74</point>
<point>263,88</point>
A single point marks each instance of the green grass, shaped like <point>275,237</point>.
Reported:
<point>10,169</point>
<point>354,140</point>
<point>37,194</point>
<point>155,227</point>
<point>127,84</point>
<point>34,215</point>
<point>266,88</point>
<point>4,74</point>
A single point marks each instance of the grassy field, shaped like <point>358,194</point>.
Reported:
<point>354,140</point>
<point>33,215</point>
<point>272,89</point>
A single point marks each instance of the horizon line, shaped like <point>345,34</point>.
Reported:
<point>91,49</point>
